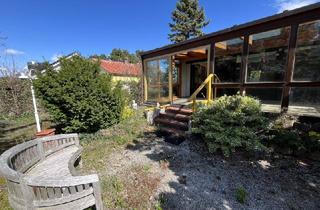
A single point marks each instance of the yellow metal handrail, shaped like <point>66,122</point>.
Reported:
<point>207,81</point>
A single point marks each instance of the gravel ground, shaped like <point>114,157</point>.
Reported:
<point>193,179</point>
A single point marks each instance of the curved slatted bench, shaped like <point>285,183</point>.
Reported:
<point>40,174</point>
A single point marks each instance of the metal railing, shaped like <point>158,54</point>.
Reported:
<point>207,82</point>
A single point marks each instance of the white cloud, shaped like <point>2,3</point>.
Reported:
<point>13,52</point>
<point>282,5</point>
<point>56,57</point>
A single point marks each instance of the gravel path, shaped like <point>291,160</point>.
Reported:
<point>193,179</point>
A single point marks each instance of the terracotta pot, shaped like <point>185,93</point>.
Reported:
<point>46,132</point>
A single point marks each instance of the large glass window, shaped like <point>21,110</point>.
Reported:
<point>226,91</point>
<point>157,75</point>
<point>266,95</point>
<point>228,60</point>
<point>307,61</point>
<point>305,100</point>
<point>270,98</point>
<point>267,55</point>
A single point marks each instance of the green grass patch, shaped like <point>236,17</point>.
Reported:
<point>4,202</point>
<point>241,194</point>
<point>98,146</point>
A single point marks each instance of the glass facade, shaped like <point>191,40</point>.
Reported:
<point>305,96</point>
<point>226,91</point>
<point>266,62</point>
<point>157,75</point>
<point>268,55</point>
<point>307,57</point>
<point>266,95</point>
<point>228,60</point>
<point>305,100</point>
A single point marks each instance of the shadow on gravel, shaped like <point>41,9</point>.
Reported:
<point>200,180</point>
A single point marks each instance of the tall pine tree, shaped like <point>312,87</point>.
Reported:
<point>188,21</point>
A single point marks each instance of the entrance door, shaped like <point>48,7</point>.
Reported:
<point>197,75</point>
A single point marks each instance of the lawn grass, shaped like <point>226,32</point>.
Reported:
<point>98,146</point>
<point>4,202</point>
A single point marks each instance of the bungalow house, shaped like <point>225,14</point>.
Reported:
<point>276,59</point>
<point>121,71</point>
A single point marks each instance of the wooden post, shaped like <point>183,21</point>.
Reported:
<point>27,194</point>
<point>210,90</point>
<point>244,64</point>
<point>97,195</point>
<point>289,68</point>
<point>171,66</point>
<point>209,85</point>
<point>145,85</point>
<point>40,149</point>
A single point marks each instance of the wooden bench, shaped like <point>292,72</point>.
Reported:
<point>41,174</point>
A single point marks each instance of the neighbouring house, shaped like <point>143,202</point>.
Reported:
<point>122,71</point>
<point>34,67</point>
<point>276,59</point>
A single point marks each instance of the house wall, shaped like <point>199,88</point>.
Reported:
<point>125,79</point>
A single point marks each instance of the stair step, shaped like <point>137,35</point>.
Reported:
<point>178,117</point>
<point>172,136</point>
<point>170,122</point>
<point>172,132</point>
<point>178,110</point>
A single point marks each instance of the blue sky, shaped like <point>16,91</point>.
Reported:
<point>42,29</point>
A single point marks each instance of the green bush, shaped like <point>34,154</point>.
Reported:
<point>78,97</point>
<point>230,122</point>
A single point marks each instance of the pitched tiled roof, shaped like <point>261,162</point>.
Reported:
<point>121,68</point>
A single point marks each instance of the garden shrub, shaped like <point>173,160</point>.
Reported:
<point>230,122</point>
<point>78,97</point>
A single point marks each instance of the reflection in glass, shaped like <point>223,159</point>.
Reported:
<point>267,55</point>
<point>307,60</point>
<point>266,95</point>
<point>309,96</point>
<point>226,91</point>
<point>157,72</point>
<point>305,101</point>
<point>228,60</point>
<point>152,72</point>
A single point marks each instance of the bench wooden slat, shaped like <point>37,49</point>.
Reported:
<point>57,192</point>
<point>44,193</point>
<point>65,199</point>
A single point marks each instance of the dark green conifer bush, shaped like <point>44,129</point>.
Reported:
<point>79,97</point>
<point>230,122</point>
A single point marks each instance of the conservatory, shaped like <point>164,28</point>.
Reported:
<point>276,59</point>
